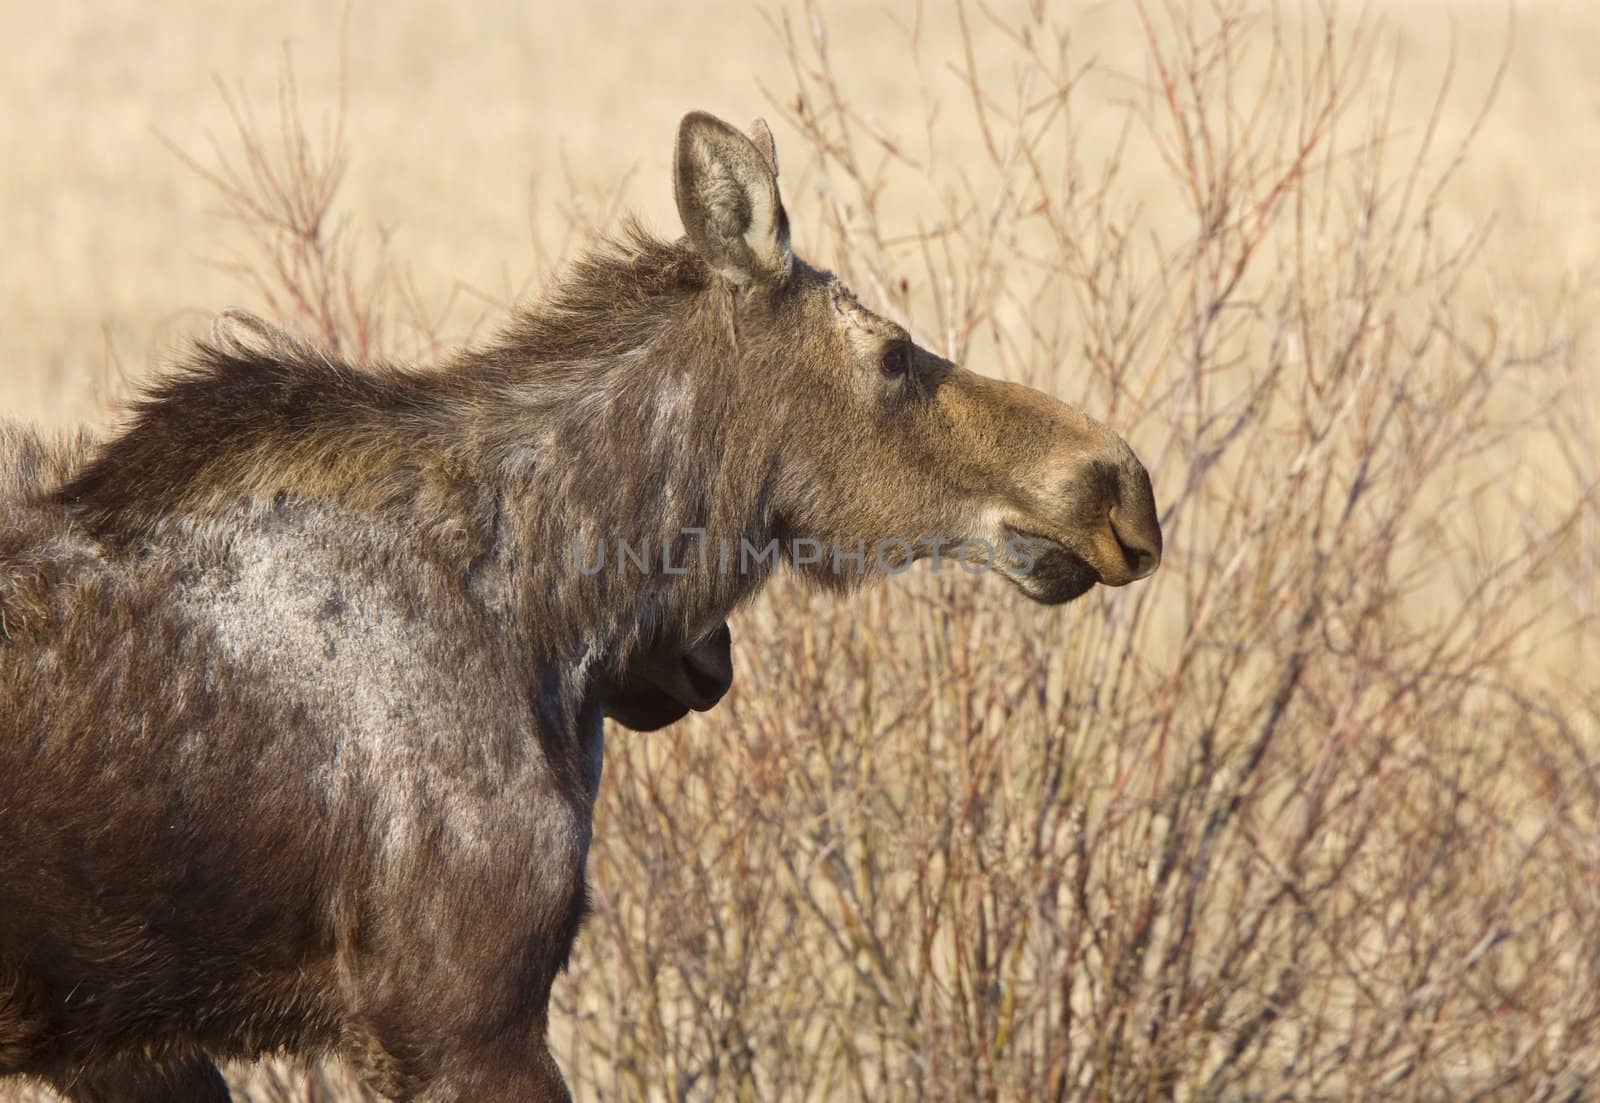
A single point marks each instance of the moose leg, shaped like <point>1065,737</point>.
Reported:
<point>517,1066</point>
<point>523,1071</point>
<point>446,996</point>
<point>192,1079</point>
<point>462,1023</point>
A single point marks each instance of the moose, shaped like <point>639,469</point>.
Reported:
<point>302,689</point>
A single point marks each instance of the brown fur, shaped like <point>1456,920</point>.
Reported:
<point>305,690</point>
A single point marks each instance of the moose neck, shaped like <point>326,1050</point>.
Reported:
<point>630,513</point>
<point>627,482</point>
<point>580,472</point>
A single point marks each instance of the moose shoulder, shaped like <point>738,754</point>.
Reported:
<point>301,678</point>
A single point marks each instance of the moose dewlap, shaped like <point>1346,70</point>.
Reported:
<point>301,690</point>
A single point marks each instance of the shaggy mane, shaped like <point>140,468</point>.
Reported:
<point>233,422</point>
<point>614,298</point>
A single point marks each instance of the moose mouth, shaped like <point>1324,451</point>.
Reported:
<point>1058,574</point>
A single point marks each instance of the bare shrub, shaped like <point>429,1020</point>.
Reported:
<point>300,258</point>
<point>1314,816</point>
<point>1303,820</point>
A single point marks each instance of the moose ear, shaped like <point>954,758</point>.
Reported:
<point>239,333</point>
<point>761,135</point>
<point>727,192</point>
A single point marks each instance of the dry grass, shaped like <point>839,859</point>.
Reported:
<point>1315,814</point>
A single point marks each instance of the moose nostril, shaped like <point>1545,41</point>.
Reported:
<point>1141,553</point>
<point>1141,561</point>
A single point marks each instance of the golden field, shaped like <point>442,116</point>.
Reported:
<point>466,128</point>
<point>1312,814</point>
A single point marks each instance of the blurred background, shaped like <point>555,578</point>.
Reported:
<point>1313,814</point>
<point>469,130</point>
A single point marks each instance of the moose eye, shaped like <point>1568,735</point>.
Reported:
<point>896,360</point>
